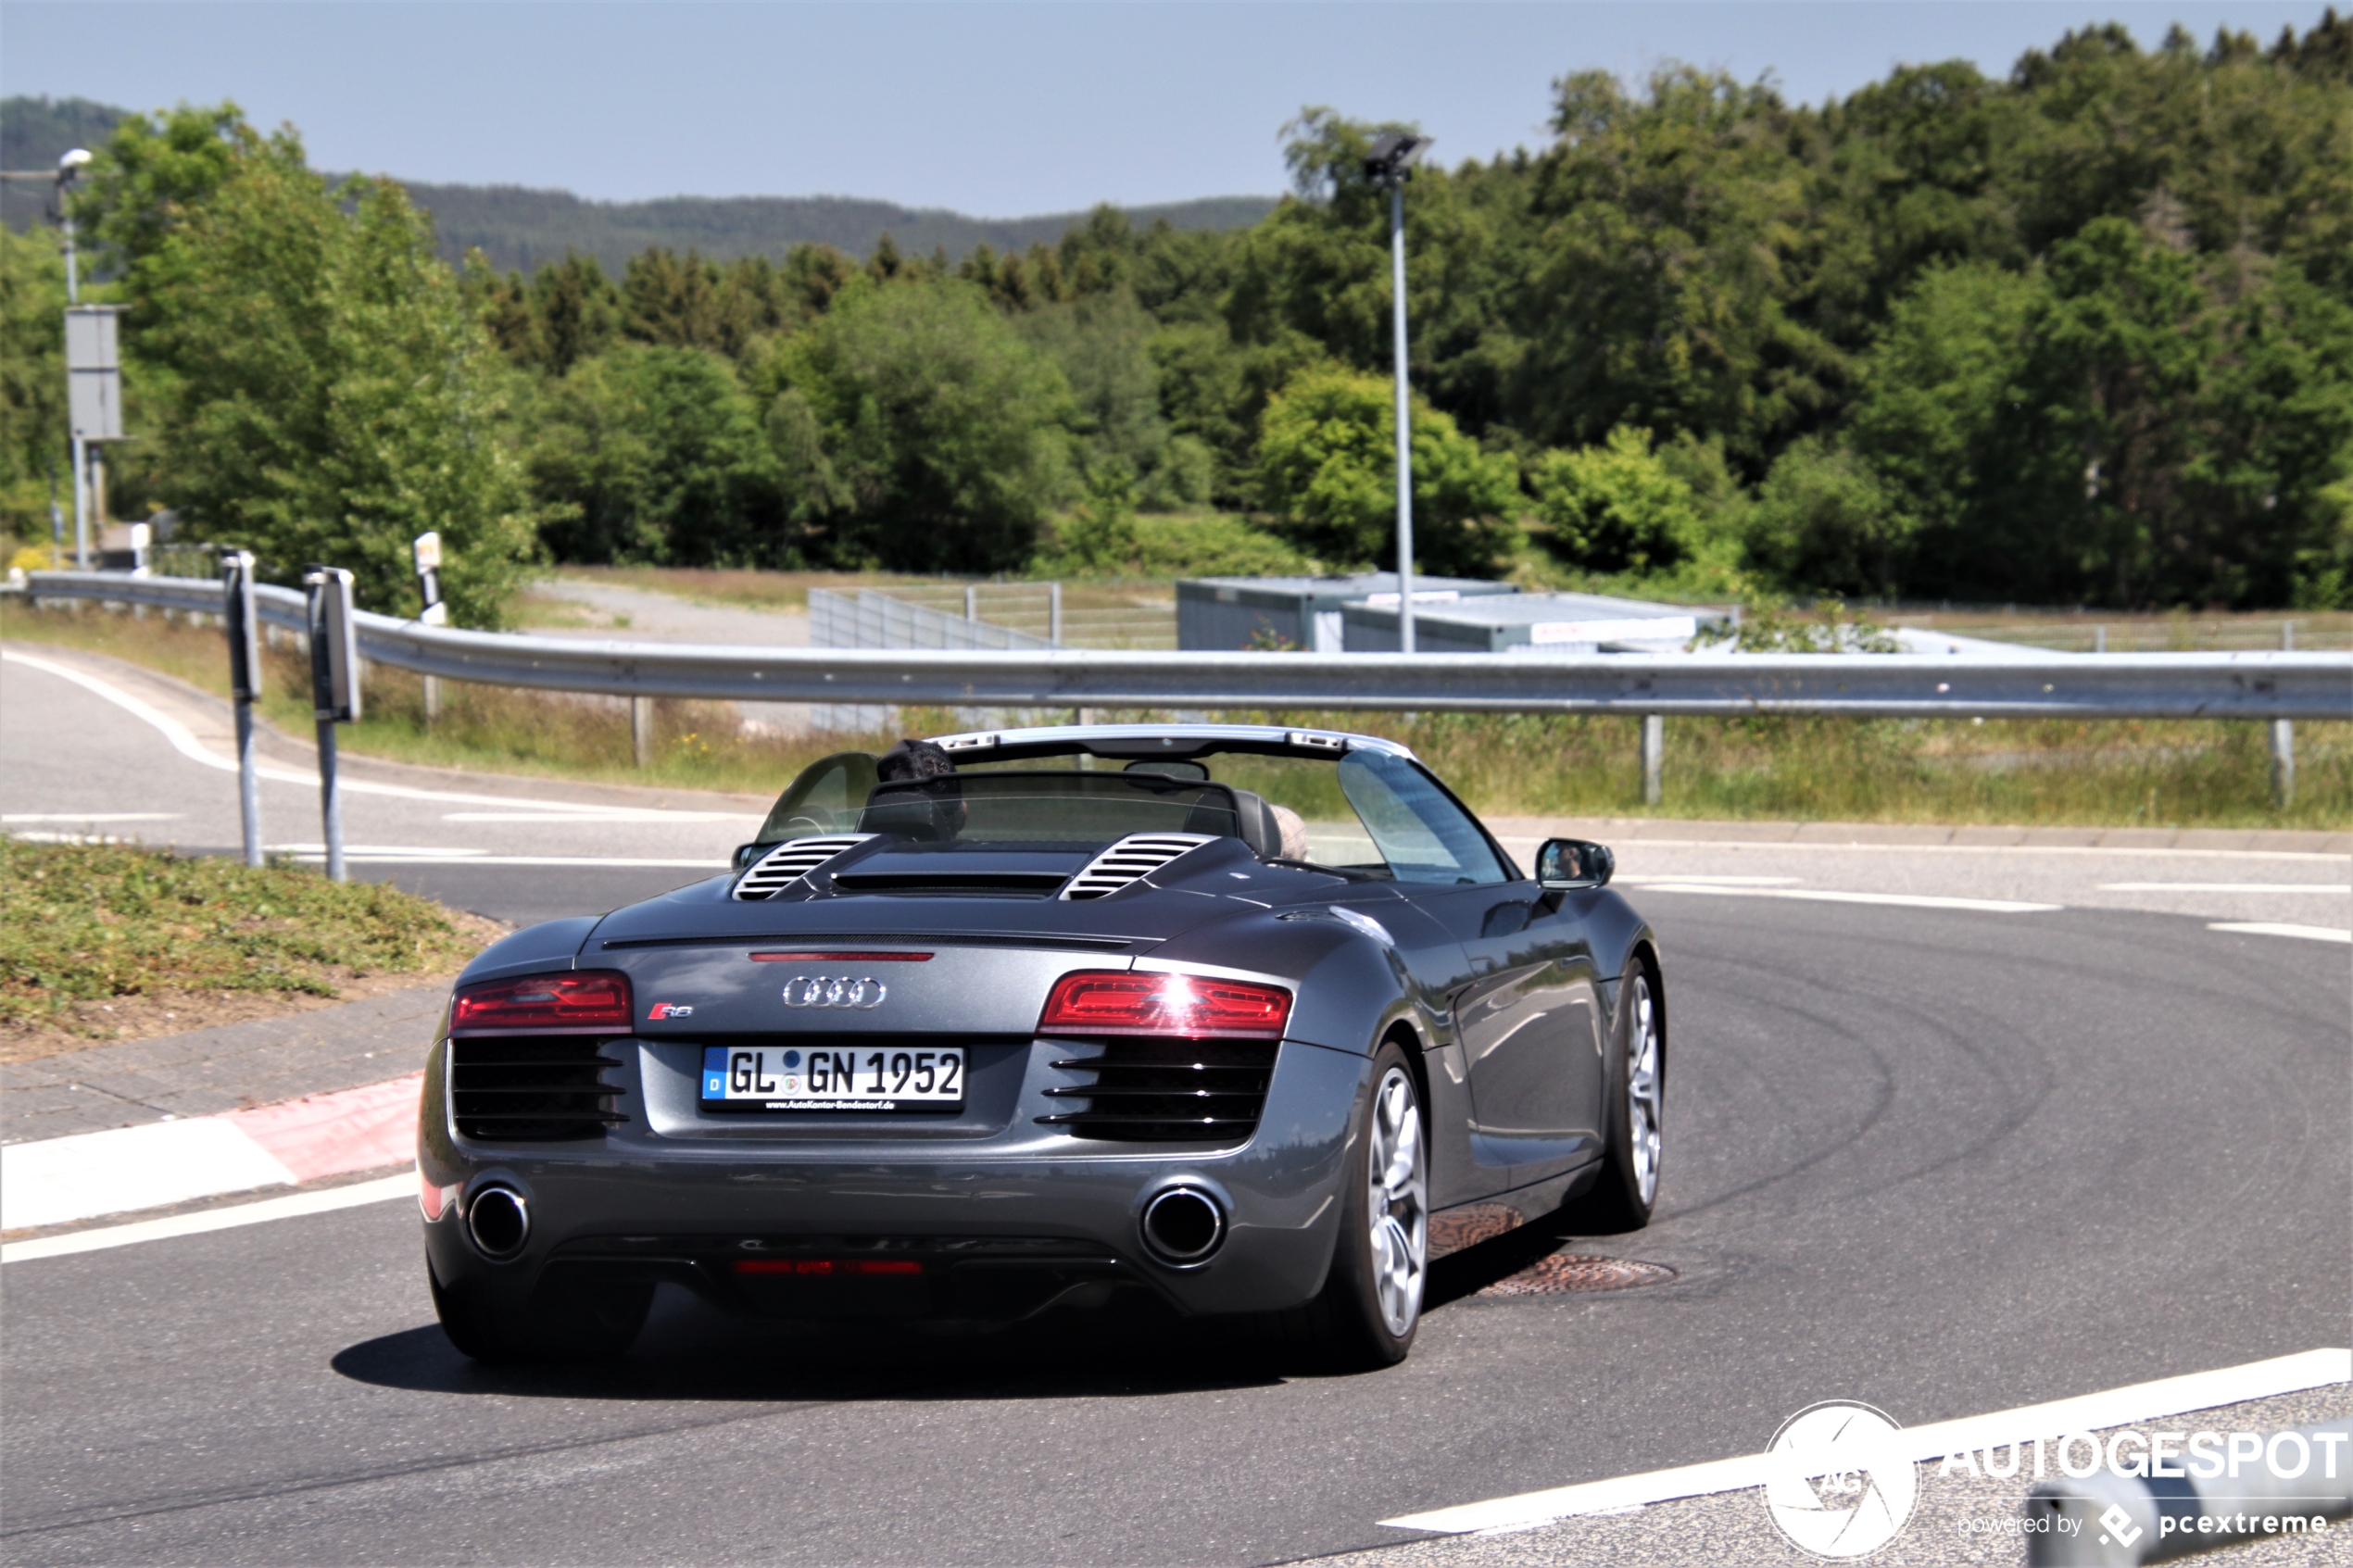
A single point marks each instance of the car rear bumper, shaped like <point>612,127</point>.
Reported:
<point>996,1227</point>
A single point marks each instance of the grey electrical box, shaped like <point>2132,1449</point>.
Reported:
<point>93,374</point>
<point>334,644</point>
<point>244,624</point>
<point>1529,624</point>
<point>1220,614</point>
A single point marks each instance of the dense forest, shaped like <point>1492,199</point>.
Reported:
<point>2082,334</point>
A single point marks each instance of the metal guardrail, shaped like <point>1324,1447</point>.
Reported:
<point>2220,685</point>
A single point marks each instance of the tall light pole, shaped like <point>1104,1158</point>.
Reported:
<point>1390,163</point>
<point>69,167</point>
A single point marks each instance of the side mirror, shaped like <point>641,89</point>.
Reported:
<point>747,853</point>
<point>1568,864</point>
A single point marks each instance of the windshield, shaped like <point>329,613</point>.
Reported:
<point>1363,813</point>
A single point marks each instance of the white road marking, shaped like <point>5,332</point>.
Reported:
<point>89,817</point>
<point>184,742</point>
<point>1661,879</point>
<point>2337,858</point>
<point>463,858</point>
<point>1824,896</point>
<point>2089,1412</point>
<point>610,814</point>
<point>381,851</point>
<point>2338,888</point>
<point>2280,928</point>
<point>53,1180</point>
<point>325,1201</point>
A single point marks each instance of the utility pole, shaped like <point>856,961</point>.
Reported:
<point>69,167</point>
<point>1390,163</point>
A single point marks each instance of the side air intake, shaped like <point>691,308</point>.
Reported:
<point>1137,855</point>
<point>791,860</point>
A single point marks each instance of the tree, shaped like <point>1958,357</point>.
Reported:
<point>332,396</point>
<point>1823,524</point>
<point>1327,464</point>
<point>32,381</point>
<point>945,432</point>
<point>1673,249</point>
<point>657,455</point>
<point>1616,507</point>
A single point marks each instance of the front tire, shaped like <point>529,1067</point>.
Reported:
<point>1371,1304</point>
<point>1626,1190</point>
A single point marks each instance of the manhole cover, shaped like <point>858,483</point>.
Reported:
<point>1574,1271</point>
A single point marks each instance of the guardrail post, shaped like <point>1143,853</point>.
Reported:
<point>1654,755</point>
<point>641,729</point>
<point>241,619</point>
<point>2284,739</point>
<point>1054,612</point>
<point>972,601</point>
<point>334,692</point>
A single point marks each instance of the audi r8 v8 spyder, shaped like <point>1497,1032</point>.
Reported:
<point>1259,1021</point>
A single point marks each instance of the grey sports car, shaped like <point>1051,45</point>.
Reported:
<point>1256,1020</point>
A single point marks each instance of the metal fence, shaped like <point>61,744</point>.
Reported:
<point>869,619</point>
<point>2195,685</point>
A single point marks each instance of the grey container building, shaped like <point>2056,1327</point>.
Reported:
<point>1216,614</point>
<point>1532,624</point>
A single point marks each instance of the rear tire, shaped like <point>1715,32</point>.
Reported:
<point>587,1321</point>
<point>1371,1304</point>
<point>1626,1190</point>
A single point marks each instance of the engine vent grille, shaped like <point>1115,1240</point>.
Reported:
<point>531,1088</point>
<point>791,860</point>
<point>1136,856</point>
<point>1169,1091</point>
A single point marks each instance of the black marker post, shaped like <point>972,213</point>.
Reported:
<point>335,690</point>
<point>239,615</point>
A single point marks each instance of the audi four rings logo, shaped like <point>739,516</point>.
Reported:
<point>834,991</point>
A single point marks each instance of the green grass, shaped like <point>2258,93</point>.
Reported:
<point>84,922</point>
<point>2023,772</point>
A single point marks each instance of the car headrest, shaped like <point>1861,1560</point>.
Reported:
<point>1260,828</point>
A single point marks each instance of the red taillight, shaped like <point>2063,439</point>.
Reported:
<point>1126,1002</point>
<point>827,1266</point>
<point>580,998</point>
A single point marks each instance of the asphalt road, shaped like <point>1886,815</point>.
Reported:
<point>1944,1160</point>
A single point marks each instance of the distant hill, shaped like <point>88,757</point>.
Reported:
<point>522,228</point>
<point>519,227</point>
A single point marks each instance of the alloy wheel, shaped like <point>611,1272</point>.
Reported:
<point>1644,1141</point>
<point>1397,1205</point>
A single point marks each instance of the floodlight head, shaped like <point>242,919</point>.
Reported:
<point>75,160</point>
<point>1393,155</point>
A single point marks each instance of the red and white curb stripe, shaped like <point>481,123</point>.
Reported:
<point>59,1181</point>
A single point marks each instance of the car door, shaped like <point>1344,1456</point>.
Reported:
<point>1527,1010</point>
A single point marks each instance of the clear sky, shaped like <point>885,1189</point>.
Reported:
<point>992,110</point>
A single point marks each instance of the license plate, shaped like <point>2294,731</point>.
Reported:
<point>862,1078</point>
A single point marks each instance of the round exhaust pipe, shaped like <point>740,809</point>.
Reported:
<point>1183,1226</point>
<point>499,1222</point>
